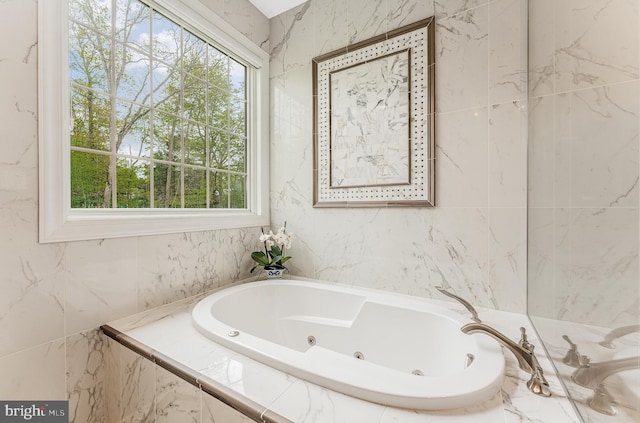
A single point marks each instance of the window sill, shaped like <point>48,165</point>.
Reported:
<point>100,224</point>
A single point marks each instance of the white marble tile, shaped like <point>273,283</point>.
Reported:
<point>278,26</point>
<point>462,48</point>
<point>305,402</point>
<point>444,8</point>
<point>462,154</point>
<point>372,252</point>
<point>137,381</point>
<point>366,19</point>
<point>407,252</point>
<point>31,304</point>
<point>522,405</point>
<point>112,384</point>
<point>292,144</point>
<point>255,381</point>
<point>148,317</point>
<point>215,411</point>
<point>359,255</point>
<point>18,106</point>
<point>291,36</point>
<point>86,373</point>
<point>507,155</point>
<point>596,250</point>
<point>588,171</point>
<point>508,258</point>
<point>101,282</point>
<point>541,49</point>
<point>339,259</point>
<point>540,262</point>
<point>203,353</point>
<point>34,373</point>
<point>177,401</point>
<point>541,152</point>
<point>596,43</point>
<point>404,12</point>
<point>244,17</point>
<point>247,19</point>
<point>173,267</point>
<point>507,50</point>
<point>331,28</point>
<point>461,256</point>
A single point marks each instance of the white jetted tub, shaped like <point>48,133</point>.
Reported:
<point>387,348</point>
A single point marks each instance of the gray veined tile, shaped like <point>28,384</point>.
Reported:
<point>596,43</point>
<point>462,46</point>
<point>177,401</point>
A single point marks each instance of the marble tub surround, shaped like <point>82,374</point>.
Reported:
<point>235,376</point>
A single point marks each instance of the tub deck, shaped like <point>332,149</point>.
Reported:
<point>167,336</point>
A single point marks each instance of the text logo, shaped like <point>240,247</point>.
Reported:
<point>34,411</point>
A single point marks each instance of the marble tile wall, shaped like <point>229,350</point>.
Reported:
<point>474,241</point>
<point>145,392</point>
<point>53,297</point>
<point>583,222</point>
<point>583,150</point>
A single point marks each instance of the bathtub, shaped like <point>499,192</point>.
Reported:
<point>382,347</point>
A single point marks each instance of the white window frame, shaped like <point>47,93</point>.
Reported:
<point>58,221</point>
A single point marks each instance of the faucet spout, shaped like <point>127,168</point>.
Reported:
<point>523,356</point>
<point>523,353</point>
<point>607,342</point>
<point>592,375</point>
<point>465,303</point>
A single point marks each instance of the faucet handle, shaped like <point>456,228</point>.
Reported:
<point>584,361</point>
<point>572,358</point>
<point>524,340</point>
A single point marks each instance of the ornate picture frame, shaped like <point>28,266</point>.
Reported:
<point>373,107</point>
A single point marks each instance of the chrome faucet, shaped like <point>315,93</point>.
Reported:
<point>523,353</point>
<point>592,376</point>
<point>618,333</point>
<point>474,313</point>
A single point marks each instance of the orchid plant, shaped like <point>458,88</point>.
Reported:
<point>275,246</point>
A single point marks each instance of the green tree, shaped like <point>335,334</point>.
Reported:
<point>188,84</point>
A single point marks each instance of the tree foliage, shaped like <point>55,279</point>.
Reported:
<point>157,117</point>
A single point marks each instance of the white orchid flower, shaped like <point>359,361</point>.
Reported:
<point>269,243</point>
<point>280,238</point>
<point>264,237</point>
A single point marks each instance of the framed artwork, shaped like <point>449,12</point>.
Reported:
<point>373,121</point>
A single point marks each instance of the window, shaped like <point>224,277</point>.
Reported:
<point>167,132</point>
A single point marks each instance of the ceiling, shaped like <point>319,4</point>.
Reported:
<point>271,8</point>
